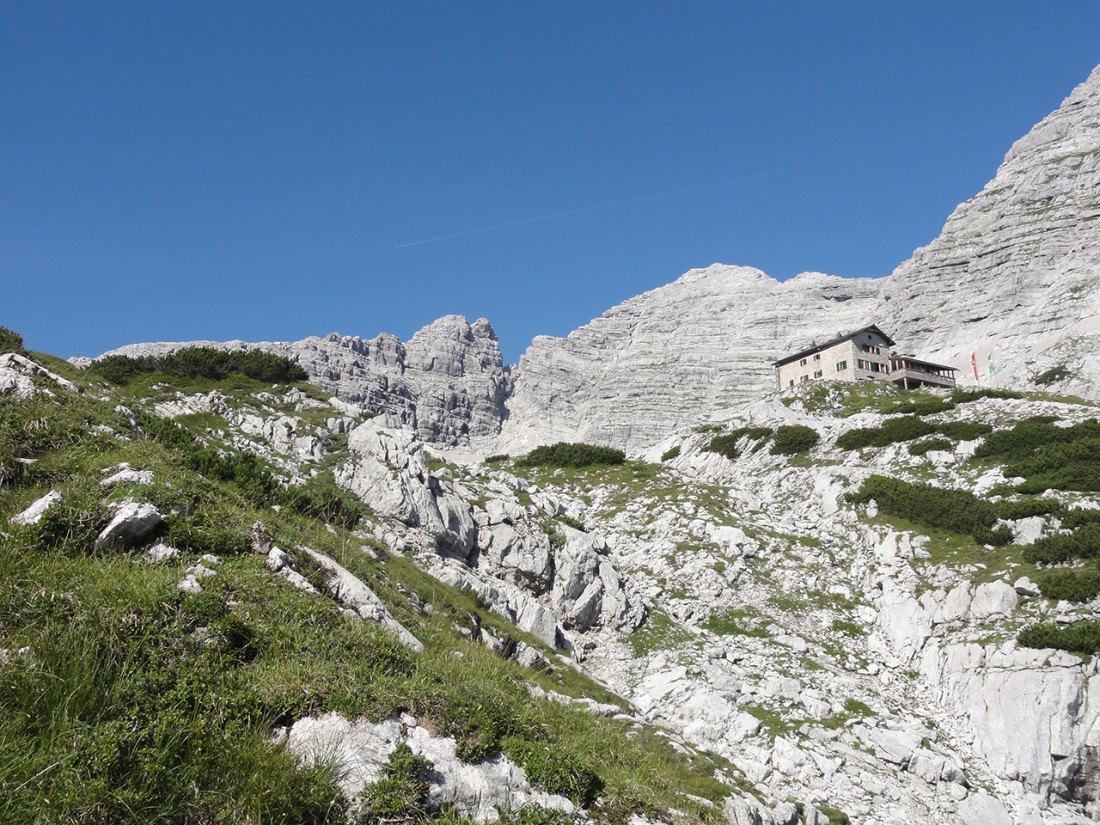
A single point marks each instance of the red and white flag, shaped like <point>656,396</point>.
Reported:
<point>974,364</point>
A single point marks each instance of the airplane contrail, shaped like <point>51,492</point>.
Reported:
<point>666,194</point>
<point>582,210</point>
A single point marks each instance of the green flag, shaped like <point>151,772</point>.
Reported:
<point>992,366</point>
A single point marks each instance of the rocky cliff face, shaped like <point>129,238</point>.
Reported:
<point>659,360</point>
<point>448,383</point>
<point>1015,271</point>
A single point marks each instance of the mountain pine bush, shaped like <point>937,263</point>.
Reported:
<point>565,454</point>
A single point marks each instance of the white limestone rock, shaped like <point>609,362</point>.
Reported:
<point>127,475</point>
<point>160,553</point>
<point>33,514</point>
<point>993,599</point>
<point>358,750</point>
<point>133,523</point>
<point>390,473</point>
<point>17,374</point>
<point>448,383</point>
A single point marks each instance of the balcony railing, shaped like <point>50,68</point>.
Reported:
<point>914,375</point>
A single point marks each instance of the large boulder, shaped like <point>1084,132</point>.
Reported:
<point>133,524</point>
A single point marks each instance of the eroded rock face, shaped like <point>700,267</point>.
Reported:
<point>1015,270</point>
<point>391,474</point>
<point>448,383</point>
<point>657,361</point>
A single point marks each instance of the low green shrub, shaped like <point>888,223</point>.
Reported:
<point>201,362</point>
<point>555,769</point>
<point>1082,543</point>
<point>1047,456</point>
<point>671,453</point>
<point>1076,637</point>
<point>1078,517</point>
<point>792,439</point>
<point>1051,376</point>
<point>930,444</point>
<point>1028,507</point>
<point>565,454</point>
<point>891,431</point>
<point>401,795</point>
<point>575,523</point>
<point>961,396</point>
<point>1070,585</point>
<point>921,406</point>
<point>964,430</point>
<point>955,510</point>
<point>499,458</point>
<point>11,341</point>
<point>726,444</point>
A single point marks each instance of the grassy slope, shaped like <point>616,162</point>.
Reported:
<point>137,703</point>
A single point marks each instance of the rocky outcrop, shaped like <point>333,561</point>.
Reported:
<point>358,750</point>
<point>448,383</point>
<point>356,597</point>
<point>499,548</point>
<point>133,523</point>
<point>18,374</point>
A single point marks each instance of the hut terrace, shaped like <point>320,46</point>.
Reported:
<point>865,354</point>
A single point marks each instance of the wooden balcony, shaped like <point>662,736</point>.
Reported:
<point>910,373</point>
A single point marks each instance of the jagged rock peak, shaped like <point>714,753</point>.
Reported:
<point>447,383</point>
<point>1015,271</point>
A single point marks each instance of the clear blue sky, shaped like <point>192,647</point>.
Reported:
<point>267,171</point>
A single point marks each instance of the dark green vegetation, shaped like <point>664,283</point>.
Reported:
<point>201,362</point>
<point>792,439</point>
<point>137,703</point>
<point>564,454</point>
<point>891,431</point>
<point>908,428</point>
<point>789,439</point>
<point>1051,376</point>
<point>1077,637</point>
<point>670,453</point>
<point>957,511</point>
<point>1071,585</point>
<point>1049,457</point>
<point>11,341</point>
<point>930,444</point>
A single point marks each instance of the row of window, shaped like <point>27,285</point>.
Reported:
<point>802,363</point>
